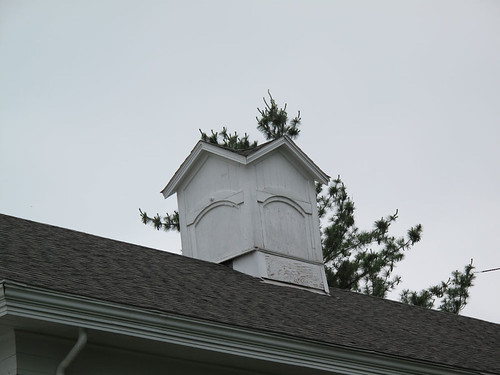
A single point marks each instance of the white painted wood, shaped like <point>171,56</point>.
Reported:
<point>231,205</point>
<point>276,267</point>
<point>203,148</point>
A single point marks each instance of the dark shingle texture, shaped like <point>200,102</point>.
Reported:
<point>73,262</point>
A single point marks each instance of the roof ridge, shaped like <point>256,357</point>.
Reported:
<point>244,152</point>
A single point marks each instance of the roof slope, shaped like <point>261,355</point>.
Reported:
<point>73,262</point>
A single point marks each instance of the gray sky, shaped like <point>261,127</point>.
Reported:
<point>101,101</point>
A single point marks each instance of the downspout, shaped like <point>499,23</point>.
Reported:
<point>80,343</point>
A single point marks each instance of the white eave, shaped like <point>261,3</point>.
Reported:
<point>19,300</point>
<point>285,143</point>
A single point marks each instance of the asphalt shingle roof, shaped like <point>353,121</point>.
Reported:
<point>73,262</point>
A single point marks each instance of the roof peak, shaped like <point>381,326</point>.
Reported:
<point>243,157</point>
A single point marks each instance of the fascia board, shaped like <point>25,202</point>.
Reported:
<point>204,147</point>
<point>223,152</point>
<point>44,305</point>
<point>198,150</point>
<point>296,152</point>
<point>266,149</point>
<point>320,175</point>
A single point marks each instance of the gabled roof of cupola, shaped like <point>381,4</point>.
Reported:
<point>245,157</point>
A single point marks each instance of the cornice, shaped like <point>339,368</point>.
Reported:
<point>204,147</point>
<point>296,152</point>
<point>19,300</point>
<point>199,149</point>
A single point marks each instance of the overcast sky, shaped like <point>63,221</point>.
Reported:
<point>101,101</point>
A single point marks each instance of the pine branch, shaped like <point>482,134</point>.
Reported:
<point>226,139</point>
<point>273,122</point>
<point>454,293</point>
<point>167,223</point>
<point>360,260</point>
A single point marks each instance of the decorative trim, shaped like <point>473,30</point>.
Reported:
<point>305,208</point>
<point>49,306</point>
<point>287,256</point>
<point>204,147</point>
<point>294,151</point>
<point>226,197</point>
<point>200,148</point>
<point>206,210</point>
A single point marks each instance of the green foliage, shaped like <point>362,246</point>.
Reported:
<point>357,260</point>
<point>232,141</point>
<point>273,122</point>
<point>361,261</point>
<point>453,294</point>
<point>167,222</point>
<point>424,298</point>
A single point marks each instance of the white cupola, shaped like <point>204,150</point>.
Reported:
<point>252,210</point>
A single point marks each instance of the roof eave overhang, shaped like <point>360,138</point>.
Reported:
<point>198,151</point>
<point>297,154</point>
<point>202,148</point>
<point>21,300</point>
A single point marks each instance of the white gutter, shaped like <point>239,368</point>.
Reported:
<point>80,343</point>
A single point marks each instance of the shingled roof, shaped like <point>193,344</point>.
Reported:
<point>67,261</point>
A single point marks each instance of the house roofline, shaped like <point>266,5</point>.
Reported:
<point>25,301</point>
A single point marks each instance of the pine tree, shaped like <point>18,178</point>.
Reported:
<point>358,260</point>
<point>361,261</point>
<point>453,293</point>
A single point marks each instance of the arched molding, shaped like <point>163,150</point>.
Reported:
<point>216,230</point>
<point>211,207</point>
<point>210,201</point>
<point>268,196</point>
<point>285,200</point>
<point>286,227</point>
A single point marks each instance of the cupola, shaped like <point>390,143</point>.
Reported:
<point>252,210</point>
